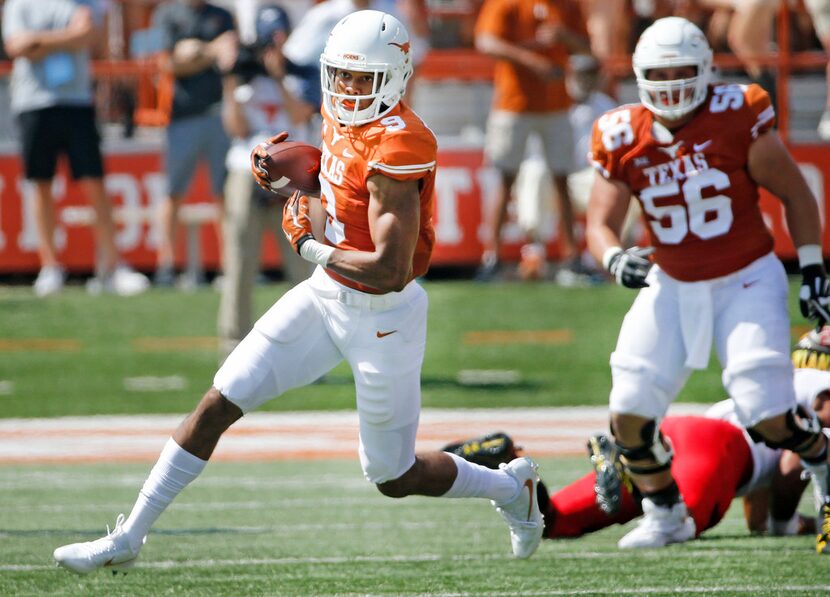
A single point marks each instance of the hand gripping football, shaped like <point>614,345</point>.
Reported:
<point>288,166</point>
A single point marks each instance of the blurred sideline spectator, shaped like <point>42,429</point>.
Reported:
<point>608,24</point>
<point>263,95</point>
<point>530,41</point>
<point>51,96</point>
<point>750,36</point>
<point>713,17</point>
<point>246,12</point>
<point>820,13</point>
<point>583,83</point>
<point>201,43</point>
<point>533,187</point>
<point>309,37</point>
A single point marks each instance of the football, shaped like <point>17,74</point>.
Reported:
<point>292,166</point>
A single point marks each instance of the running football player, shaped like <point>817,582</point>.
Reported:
<point>362,305</point>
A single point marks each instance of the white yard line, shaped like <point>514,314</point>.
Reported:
<point>340,560</point>
<point>293,435</point>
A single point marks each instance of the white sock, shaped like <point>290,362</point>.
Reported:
<point>474,480</point>
<point>175,468</point>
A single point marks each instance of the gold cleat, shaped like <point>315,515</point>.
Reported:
<point>611,477</point>
<point>823,538</point>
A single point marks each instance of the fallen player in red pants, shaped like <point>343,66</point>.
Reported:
<point>720,467</point>
<point>714,462</point>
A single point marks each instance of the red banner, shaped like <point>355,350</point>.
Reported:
<point>136,184</point>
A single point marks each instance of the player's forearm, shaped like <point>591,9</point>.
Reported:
<point>771,166</point>
<point>65,40</point>
<point>370,269</point>
<point>605,215</point>
<point>803,220</point>
<point>600,238</point>
<point>602,234</point>
<point>78,35</point>
<point>800,208</point>
<point>189,67</point>
<point>501,50</point>
<point>20,46</point>
<point>189,57</point>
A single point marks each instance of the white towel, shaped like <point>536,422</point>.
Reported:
<point>696,322</point>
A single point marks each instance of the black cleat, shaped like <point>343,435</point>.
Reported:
<point>610,473</point>
<point>490,451</point>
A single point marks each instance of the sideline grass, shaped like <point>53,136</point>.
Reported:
<point>108,339</point>
<point>316,528</point>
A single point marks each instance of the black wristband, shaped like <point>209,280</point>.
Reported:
<point>303,239</point>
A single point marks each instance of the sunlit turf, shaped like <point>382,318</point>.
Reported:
<point>317,528</point>
<point>106,340</point>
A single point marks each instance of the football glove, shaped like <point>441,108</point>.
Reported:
<point>630,267</point>
<point>296,223</point>
<point>259,153</point>
<point>814,298</point>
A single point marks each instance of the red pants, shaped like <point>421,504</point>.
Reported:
<point>711,461</point>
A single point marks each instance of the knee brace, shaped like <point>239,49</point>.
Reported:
<point>655,451</point>
<point>805,431</point>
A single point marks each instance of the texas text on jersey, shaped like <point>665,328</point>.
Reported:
<point>399,146</point>
<point>700,204</point>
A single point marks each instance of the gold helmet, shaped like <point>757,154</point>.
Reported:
<point>813,350</point>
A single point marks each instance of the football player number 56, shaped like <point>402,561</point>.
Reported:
<point>704,217</point>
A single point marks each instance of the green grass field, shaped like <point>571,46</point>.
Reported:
<point>94,344</point>
<point>319,529</point>
<point>316,527</point>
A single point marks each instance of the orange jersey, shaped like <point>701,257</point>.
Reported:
<point>398,145</point>
<point>699,202</point>
<point>518,22</point>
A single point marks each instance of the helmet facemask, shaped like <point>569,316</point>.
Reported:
<point>672,99</point>
<point>671,43</point>
<point>361,109</point>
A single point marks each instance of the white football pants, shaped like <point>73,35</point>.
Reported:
<point>316,325</point>
<point>671,326</point>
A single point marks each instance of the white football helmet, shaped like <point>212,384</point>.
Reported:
<point>367,41</point>
<point>671,42</point>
